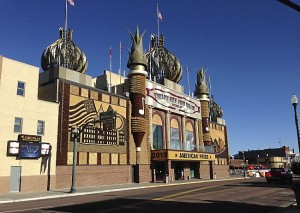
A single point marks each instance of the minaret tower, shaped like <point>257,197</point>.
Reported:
<point>202,92</point>
<point>137,63</point>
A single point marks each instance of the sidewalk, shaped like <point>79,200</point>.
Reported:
<point>30,196</point>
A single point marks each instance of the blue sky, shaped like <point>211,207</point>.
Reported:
<point>250,49</point>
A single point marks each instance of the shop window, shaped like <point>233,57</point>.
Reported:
<point>175,142</point>
<point>157,137</point>
<point>21,88</point>
<point>18,125</point>
<point>40,127</point>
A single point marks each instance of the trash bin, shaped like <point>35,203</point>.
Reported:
<point>166,178</point>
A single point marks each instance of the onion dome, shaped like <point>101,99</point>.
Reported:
<point>215,110</point>
<point>63,52</point>
<point>162,63</point>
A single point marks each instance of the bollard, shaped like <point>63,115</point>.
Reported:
<point>166,178</point>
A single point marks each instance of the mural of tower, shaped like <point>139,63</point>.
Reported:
<point>202,92</point>
<point>137,63</point>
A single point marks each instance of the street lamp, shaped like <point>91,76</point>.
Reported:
<point>75,133</point>
<point>244,160</point>
<point>294,101</point>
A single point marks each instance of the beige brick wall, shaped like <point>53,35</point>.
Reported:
<point>30,109</point>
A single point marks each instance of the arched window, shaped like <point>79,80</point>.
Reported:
<point>189,137</point>
<point>157,132</point>
<point>175,139</point>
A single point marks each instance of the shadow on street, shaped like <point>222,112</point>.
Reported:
<point>149,206</point>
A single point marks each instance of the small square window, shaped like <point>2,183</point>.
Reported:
<point>40,127</point>
<point>18,125</point>
<point>21,88</point>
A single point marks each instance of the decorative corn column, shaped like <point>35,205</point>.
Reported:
<point>137,64</point>
<point>202,92</point>
<point>205,120</point>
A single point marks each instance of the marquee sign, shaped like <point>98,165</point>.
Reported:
<point>29,138</point>
<point>162,155</point>
<point>166,99</point>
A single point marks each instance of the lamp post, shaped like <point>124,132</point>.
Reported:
<point>244,164</point>
<point>294,101</point>
<point>75,132</point>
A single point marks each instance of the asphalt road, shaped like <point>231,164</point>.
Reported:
<point>235,196</point>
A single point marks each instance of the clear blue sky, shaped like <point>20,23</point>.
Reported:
<point>251,51</point>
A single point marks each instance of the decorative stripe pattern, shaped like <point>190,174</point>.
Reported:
<point>137,83</point>
<point>138,124</point>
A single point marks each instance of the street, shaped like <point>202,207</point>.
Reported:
<point>245,195</point>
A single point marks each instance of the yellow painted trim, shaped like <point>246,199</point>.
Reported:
<point>162,155</point>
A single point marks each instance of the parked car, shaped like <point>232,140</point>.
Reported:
<point>279,175</point>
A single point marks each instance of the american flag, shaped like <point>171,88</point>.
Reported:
<point>159,14</point>
<point>71,2</point>
<point>82,112</point>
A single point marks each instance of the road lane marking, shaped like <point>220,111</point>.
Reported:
<point>182,193</point>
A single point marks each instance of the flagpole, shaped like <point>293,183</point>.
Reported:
<point>157,21</point>
<point>120,60</point>
<point>110,67</point>
<point>65,33</point>
<point>210,95</point>
<point>209,83</point>
<point>157,40</point>
<point>188,78</point>
<point>150,59</point>
<point>66,15</point>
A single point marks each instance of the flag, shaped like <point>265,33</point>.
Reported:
<point>110,52</point>
<point>82,112</point>
<point>71,2</point>
<point>159,16</point>
<point>121,45</point>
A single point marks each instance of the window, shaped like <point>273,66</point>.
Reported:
<point>175,142</point>
<point>21,88</point>
<point>157,137</point>
<point>40,127</point>
<point>189,140</point>
<point>18,125</point>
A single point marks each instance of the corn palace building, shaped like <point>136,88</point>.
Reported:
<point>135,128</point>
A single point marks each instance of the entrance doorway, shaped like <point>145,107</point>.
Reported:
<point>15,178</point>
<point>178,170</point>
<point>194,170</point>
<point>159,169</point>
